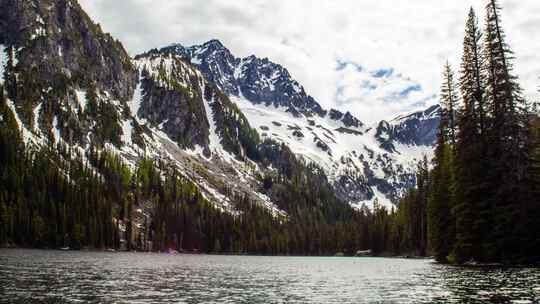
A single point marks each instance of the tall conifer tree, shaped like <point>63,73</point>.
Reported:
<point>440,204</point>
<point>507,137</point>
<point>470,148</point>
<point>449,103</point>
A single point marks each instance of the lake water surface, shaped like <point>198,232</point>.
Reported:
<point>35,276</point>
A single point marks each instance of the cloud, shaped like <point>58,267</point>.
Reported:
<point>380,93</point>
<point>412,38</point>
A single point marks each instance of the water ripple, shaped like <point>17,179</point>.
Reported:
<point>99,277</point>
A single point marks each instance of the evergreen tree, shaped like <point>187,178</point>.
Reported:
<point>441,199</point>
<point>532,213</point>
<point>423,184</point>
<point>470,165</point>
<point>485,182</point>
<point>472,80</point>
<point>507,138</point>
<point>449,104</point>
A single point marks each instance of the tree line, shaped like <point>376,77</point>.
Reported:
<point>483,197</point>
<point>477,201</point>
<point>56,196</point>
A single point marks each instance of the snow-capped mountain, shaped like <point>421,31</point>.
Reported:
<point>90,95</point>
<point>258,80</point>
<point>190,123</point>
<point>363,162</point>
<point>225,122</point>
<point>414,129</point>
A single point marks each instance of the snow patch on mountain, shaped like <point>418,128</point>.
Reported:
<point>379,198</point>
<point>3,62</point>
<point>214,139</point>
<point>338,149</point>
<point>28,136</point>
<point>135,103</point>
<point>363,161</point>
<point>127,130</point>
<point>56,130</point>
<point>81,99</point>
<point>430,113</point>
<point>37,112</point>
<point>166,71</point>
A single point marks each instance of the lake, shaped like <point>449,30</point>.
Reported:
<point>28,276</point>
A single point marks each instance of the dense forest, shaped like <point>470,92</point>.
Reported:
<point>482,197</point>
<point>50,199</point>
<point>54,196</point>
<point>478,200</point>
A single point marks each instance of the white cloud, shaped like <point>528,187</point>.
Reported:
<point>382,93</point>
<point>308,37</point>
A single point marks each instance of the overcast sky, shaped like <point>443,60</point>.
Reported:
<point>333,48</point>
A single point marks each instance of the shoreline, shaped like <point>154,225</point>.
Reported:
<point>186,253</point>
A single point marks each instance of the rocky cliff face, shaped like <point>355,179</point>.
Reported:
<point>192,111</point>
<point>257,80</point>
<point>418,128</point>
<point>172,100</point>
<point>67,79</point>
<point>363,162</point>
<point>56,39</point>
<point>221,120</point>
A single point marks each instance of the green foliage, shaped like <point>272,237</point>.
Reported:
<point>237,135</point>
<point>53,197</point>
<point>483,202</point>
<point>411,219</point>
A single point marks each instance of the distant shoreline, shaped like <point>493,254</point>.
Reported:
<point>399,257</point>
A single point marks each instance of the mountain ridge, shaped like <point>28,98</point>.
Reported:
<point>201,98</point>
<point>270,91</point>
<point>147,149</point>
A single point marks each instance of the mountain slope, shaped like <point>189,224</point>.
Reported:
<point>142,153</point>
<point>88,91</point>
<point>362,162</point>
<point>156,106</point>
<point>153,153</point>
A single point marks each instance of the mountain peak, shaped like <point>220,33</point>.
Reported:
<point>213,43</point>
<point>259,80</point>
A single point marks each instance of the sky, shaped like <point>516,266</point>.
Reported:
<point>375,58</point>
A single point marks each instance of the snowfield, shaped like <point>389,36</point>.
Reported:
<point>348,148</point>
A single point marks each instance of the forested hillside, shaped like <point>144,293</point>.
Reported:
<point>102,151</point>
<point>53,197</point>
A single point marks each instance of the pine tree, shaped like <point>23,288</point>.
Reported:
<point>423,183</point>
<point>472,80</point>
<point>533,212</point>
<point>507,138</point>
<point>441,200</point>
<point>528,229</point>
<point>449,104</point>
<point>470,147</point>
